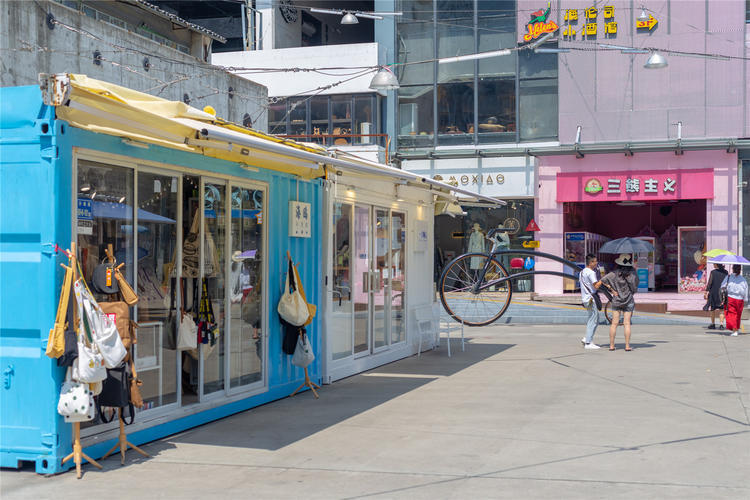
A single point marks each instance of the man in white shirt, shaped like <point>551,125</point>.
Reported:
<point>588,281</point>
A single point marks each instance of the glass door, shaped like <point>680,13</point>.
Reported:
<point>397,276</point>
<point>245,286</point>
<point>213,285</point>
<point>380,279</point>
<point>342,304</point>
<point>361,279</point>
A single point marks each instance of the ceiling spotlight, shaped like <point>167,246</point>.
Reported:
<point>398,194</point>
<point>349,18</point>
<point>656,61</point>
<point>85,188</point>
<point>644,16</point>
<point>384,79</point>
<point>93,195</point>
<point>121,200</point>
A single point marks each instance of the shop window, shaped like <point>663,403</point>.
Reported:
<point>342,303</point>
<point>157,244</point>
<point>538,108</point>
<point>341,119</point>
<point>318,119</point>
<point>364,120</point>
<point>455,113</point>
<point>214,279</point>
<point>535,65</point>
<point>496,22</point>
<point>277,118</point>
<point>415,114</point>
<point>246,287</point>
<point>416,42</point>
<point>398,276</point>
<point>298,116</point>
<point>745,230</point>
<point>497,110</point>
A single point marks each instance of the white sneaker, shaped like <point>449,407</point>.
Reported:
<point>583,341</point>
<point>591,346</point>
<point>734,334</point>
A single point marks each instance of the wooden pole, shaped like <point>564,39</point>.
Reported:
<point>78,455</point>
<point>123,443</point>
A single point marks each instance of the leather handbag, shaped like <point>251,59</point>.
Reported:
<point>76,403</point>
<point>115,388</point>
<point>187,332</point>
<point>311,308</point>
<point>119,312</point>
<point>128,295</point>
<point>292,306</point>
<point>56,340</point>
<point>103,279</point>
<point>135,392</point>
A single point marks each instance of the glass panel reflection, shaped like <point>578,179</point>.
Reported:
<point>361,279</point>
<point>342,304</point>
<point>245,284</point>
<point>212,348</point>
<point>381,277</point>
<point>398,275</point>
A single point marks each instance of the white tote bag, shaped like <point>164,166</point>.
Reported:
<point>76,401</point>
<point>89,365</point>
<point>292,306</point>
<point>187,333</point>
<point>103,329</point>
<point>303,354</point>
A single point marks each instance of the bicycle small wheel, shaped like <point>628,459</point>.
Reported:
<point>470,304</point>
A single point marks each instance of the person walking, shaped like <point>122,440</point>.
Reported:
<point>623,282</point>
<point>589,282</point>
<point>713,295</point>
<point>737,295</point>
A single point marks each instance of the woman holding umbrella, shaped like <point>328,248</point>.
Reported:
<point>623,283</point>
<point>737,295</point>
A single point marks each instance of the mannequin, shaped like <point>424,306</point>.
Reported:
<point>502,242</point>
<point>476,244</point>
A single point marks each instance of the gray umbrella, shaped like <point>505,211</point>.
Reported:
<point>626,245</point>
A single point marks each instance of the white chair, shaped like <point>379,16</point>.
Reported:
<point>426,325</point>
<point>446,327</point>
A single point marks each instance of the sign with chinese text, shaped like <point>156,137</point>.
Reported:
<point>539,24</point>
<point>300,219</point>
<point>639,185</point>
<point>85,217</point>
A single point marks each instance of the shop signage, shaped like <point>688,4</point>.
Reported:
<point>590,28</point>
<point>531,244</point>
<point>539,24</point>
<point>473,180</point>
<point>300,219</point>
<point>648,25</point>
<point>532,226</point>
<point>637,185</point>
<point>85,217</point>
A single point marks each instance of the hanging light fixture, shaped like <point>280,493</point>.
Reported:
<point>656,61</point>
<point>644,15</point>
<point>384,79</point>
<point>349,18</point>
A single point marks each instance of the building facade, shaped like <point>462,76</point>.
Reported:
<point>133,44</point>
<point>647,151</point>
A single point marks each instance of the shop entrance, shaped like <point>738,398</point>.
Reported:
<point>677,229</point>
<point>368,279</point>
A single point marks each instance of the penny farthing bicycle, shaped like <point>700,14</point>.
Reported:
<point>475,288</point>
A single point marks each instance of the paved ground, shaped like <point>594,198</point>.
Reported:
<point>525,412</point>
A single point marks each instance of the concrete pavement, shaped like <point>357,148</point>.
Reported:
<point>524,412</point>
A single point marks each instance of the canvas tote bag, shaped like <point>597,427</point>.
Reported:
<point>292,306</point>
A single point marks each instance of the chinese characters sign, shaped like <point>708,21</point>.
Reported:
<point>590,29</point>
<point>539,24</point>
<point>637,185</point>
<point>300,219</point>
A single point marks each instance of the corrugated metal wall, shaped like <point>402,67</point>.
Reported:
<point>35,202</point>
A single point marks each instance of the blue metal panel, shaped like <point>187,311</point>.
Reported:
<point>32,187</point>
<point>35,212</point>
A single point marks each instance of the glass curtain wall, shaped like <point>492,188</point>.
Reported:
<point>470,102</point>
<point>745,194</point>
<point>213,284</point>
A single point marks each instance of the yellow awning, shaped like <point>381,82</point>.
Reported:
<point>113,110</point>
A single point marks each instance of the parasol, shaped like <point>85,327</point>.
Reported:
<point>715,252</point>
<point>626,245</point>
<point>729,260</point>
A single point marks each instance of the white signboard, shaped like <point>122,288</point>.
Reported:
<point>300,219</point>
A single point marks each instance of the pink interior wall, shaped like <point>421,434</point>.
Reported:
<point>721,212</point>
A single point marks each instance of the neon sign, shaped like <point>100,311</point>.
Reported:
<point>539,24</point>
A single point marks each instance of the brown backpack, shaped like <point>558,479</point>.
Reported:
<point>120,313</point>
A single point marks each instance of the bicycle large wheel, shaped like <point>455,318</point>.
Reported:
<point>470,304</point>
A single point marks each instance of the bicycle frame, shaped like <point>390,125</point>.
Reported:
<point>481,285</point>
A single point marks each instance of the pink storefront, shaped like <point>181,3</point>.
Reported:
<point>683,203</point>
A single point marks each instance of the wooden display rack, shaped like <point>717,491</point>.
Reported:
<point>77,455</point>
<point>123,443</point>
<point>307,383</point>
